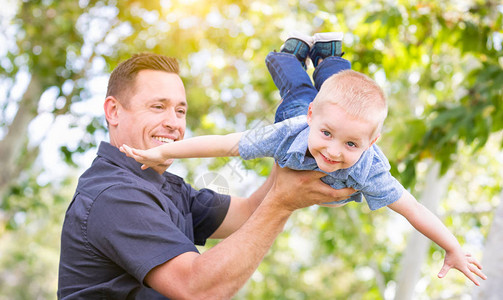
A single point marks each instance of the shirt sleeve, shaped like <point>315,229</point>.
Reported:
<point>134,231</point>
<point>208,210</point>
<point>381,188</point>
<point>262,141</point>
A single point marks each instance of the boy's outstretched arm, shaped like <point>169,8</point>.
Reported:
<point>201,146</point>
<point>430,225</point>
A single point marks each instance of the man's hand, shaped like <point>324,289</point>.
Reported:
<point>298,189</point>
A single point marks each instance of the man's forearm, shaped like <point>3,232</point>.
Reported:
<point>225,268</point>
<point>256,198</point>
<point>221,271</point>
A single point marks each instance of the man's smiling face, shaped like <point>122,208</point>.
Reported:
<point>154,114</point>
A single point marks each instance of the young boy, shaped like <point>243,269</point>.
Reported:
<point>330,127</point>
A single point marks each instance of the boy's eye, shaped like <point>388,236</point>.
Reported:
<point>351,144</point>
<point>325,133</point>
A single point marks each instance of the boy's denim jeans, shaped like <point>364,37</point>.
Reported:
<point>295,86</point>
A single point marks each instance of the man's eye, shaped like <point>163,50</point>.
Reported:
<point>157,107</point>
<point>182,111</point>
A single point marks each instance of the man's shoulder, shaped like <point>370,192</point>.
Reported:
<point>103,170</point>
<point>104,176</point>
<point>173,178</point>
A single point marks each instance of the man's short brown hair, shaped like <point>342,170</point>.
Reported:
<point>122,79</point>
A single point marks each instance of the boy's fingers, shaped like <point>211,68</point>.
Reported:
<point>470,269</point>
<point>472,277</point>
<point>443,271</point>
<point>126,149</point>
<point>136,152</point>
<point>476,270</point>
<point>123,149</point>
<point>475,266</point>
<point>474,261</point>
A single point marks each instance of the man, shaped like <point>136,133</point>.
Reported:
<point>131,233</point>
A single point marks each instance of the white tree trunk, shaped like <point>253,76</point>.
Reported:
<point>12,144</point>
<point>492,262</point>
<point>417,246</point>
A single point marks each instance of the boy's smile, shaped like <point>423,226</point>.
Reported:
<point>337,139</point>
<point>329,161</point>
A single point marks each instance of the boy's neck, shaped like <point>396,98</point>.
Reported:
<point>308,154</point>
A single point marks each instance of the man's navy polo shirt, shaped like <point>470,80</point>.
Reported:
<point>124,221</point>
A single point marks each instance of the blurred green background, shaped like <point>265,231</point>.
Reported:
<point>440,63</point>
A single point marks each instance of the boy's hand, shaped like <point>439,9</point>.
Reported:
<point>465,263</point>
<point>149,158</point>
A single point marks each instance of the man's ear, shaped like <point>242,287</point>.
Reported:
<point>309,113</point>
<point>111,107</point>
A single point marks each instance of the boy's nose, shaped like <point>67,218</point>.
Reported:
<point>334,152</point>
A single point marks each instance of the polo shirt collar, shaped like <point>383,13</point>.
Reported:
<point>360,170</point>
<point>114,155</point>
<point>299,145</point>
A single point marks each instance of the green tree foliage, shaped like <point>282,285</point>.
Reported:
<point>440,63</point>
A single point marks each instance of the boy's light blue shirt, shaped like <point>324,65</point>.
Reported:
<point>286,141</point>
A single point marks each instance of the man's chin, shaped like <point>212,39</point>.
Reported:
<point>168,163</point>
<point>161,168</point>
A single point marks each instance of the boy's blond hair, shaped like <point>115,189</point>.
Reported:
<point>357,94</point>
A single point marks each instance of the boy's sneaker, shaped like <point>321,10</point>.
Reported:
<point>299,45</point>
<point>326,44</point>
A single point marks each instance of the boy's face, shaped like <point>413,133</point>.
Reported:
<point>337,139</point>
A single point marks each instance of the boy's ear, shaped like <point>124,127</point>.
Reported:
<point>375,140</point>
<point>310,114</point>
<point>111,107</point>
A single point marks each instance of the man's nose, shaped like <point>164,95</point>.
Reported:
<point>171,120</point>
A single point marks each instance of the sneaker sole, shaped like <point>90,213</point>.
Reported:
<point>309,40</point>
<point>328,36</point>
